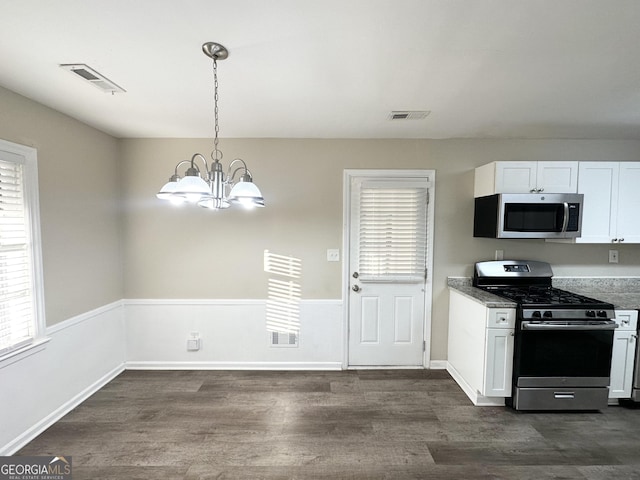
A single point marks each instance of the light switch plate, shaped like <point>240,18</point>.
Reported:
<point>613,256</point>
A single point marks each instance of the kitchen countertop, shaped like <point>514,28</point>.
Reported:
<point>622,292</point>
<point>487,299</point>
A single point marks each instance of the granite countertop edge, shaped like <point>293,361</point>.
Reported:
<point>622,292</point>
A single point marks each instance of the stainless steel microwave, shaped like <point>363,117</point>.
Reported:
<point>528,215</point>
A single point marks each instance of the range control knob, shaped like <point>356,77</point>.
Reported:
<point>536,314</point>
<point>547,314</point>
<point>590,313</point>
<point>602,314</point>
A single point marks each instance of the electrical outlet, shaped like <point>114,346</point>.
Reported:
<point>333,255</point>
<point>499,255</point>
<point>193,343</point>
<point>613,256</point>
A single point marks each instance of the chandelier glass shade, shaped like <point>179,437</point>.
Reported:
<point>211,187</point>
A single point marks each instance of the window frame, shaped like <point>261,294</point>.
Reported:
<point>28,157</point>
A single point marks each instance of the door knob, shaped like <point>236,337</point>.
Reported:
<point>355,288</point>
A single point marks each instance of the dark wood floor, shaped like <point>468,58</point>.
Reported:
<point>333,425</point>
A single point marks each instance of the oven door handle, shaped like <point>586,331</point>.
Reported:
<point>551,326</point>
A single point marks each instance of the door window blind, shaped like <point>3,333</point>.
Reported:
<point>393,233</point>
<point>17,324</point>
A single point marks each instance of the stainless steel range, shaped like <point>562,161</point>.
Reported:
<point>563,341</point>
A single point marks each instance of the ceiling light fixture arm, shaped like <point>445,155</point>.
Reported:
<point>231,175</point>
<point>176,176</point>
<point>194,166</point>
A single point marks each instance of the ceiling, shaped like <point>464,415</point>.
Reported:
<point>334,68</point>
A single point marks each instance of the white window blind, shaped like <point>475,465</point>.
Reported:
<point>393,233</point>
<point>18,325</point>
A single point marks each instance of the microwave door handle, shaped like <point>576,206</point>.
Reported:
<point>565,223</point>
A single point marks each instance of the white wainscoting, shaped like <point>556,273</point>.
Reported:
<point>233,335</point>
<point>83,354</point>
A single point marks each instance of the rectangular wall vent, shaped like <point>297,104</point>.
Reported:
<point>282,339</point>
<point>90,75</point>
<point>408,114</point>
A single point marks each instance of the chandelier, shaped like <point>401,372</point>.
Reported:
<point>211,187</point>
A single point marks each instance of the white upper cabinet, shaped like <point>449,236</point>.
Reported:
<point>526,177</point>
<point>557,177</point>
<point>611,210</point>
<point>628,223</point>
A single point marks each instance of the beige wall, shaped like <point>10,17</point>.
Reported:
<point>78,170</point>
<point>193,253</point>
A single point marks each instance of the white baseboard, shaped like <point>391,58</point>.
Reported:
<point>438,364</point>
<point>477,399</point>
<point>233,366</point>
<point>57,414</point>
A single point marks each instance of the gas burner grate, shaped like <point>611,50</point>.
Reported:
<point>537,295</point>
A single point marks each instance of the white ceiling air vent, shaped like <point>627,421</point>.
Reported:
<point>408,114</point>
<point>90,75</point>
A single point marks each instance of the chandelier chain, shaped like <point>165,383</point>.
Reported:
<point>216,154</point>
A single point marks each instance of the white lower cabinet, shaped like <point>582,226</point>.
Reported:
<point>622,357</point>
<point>480,350</point>
<point>498,362</point>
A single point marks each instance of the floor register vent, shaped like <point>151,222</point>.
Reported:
<point>283,339</point>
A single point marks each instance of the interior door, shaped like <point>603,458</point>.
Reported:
<point>387,271</point>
